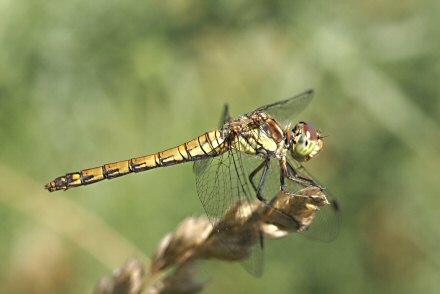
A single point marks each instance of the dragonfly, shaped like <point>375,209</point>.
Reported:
<point>257,154</point>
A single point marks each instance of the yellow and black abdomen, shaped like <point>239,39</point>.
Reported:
<point>207,145</point>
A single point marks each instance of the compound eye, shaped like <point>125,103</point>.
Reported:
<point>310,132</point>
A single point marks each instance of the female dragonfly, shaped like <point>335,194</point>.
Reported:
<point>260,150</point>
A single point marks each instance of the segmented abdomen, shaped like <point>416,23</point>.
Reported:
<point>209,144</point>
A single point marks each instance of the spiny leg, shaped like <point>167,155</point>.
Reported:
<point>265,164</point>
<point>297,178</point>
<point>283,174</point>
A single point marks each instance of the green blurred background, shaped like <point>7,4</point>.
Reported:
<point>83,83</point>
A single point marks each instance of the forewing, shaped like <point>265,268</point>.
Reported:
<point>285,110</point>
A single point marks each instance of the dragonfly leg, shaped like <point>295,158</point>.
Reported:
<point>297,178</point>
<point>265,164</point>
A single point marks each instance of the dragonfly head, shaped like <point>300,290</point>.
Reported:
<point>306,142</point>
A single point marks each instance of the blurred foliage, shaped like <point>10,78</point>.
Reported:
<point>83,83</point>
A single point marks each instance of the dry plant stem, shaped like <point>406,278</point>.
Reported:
<point>130,279</point>
<point>232,239</point>
<point>180,281</point>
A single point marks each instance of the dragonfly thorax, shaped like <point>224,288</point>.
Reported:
<point>306,142</point>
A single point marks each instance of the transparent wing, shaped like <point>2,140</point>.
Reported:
<point>216,180</point>
<point>254,264</point>
<point>285,110</point>
<point>325,225</point>
<point>221,186</point>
